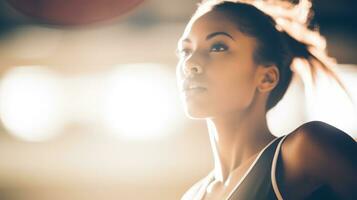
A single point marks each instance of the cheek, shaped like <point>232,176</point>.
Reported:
<point>179,73</point>
<point>234,92</point>
<point>179,70</point>
<point>233,87</point>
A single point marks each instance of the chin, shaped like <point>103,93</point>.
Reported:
<point>196,113</point>
<point>197,109</point>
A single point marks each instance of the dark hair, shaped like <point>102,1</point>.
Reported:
<point>274,47</point>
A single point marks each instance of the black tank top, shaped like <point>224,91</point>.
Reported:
<point>259,182</point>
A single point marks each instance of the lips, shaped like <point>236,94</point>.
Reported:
<point>194,92</point>
<point>193,86</point>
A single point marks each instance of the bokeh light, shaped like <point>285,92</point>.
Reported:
<point>30,103</point>
<point>140,101</point>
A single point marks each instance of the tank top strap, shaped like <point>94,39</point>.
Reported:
<point>256,183</point>
<point>273,170</point>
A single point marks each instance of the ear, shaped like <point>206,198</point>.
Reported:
<point>268,78</point>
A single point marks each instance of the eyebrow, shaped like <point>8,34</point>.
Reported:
<point>212,35</point>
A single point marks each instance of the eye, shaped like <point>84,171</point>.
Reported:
<point>218,47</point>
<point>183,52</point>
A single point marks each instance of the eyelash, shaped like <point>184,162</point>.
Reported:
<point>183,52</point>
<point>220,46</point>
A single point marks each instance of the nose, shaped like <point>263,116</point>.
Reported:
<point>192,70</point>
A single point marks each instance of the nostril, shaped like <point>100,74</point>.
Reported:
<point>196,69</point>
<point>191,70</point>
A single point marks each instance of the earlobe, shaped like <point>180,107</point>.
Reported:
<point>269,78</point>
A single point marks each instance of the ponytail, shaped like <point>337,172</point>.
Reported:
<point>283,38</point>
<point>304,43</point>
<point>316,59</point>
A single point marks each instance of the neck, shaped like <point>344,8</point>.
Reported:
<point>236,137</point>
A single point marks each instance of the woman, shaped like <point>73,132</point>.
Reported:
<point>236,62</point>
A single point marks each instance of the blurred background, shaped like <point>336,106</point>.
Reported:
<point>89,107</point>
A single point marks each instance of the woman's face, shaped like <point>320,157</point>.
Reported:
<point>221,60</point>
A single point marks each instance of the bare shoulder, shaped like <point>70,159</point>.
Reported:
<point>323,154</point>
<point>319,138</point>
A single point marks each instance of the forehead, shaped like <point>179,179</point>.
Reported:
<point>212,21</point>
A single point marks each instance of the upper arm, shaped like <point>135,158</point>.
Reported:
<point>328,155</point>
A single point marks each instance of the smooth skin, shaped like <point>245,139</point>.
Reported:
<point>215,54</point>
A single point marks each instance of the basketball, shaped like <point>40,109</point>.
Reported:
<point>73,12</point>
